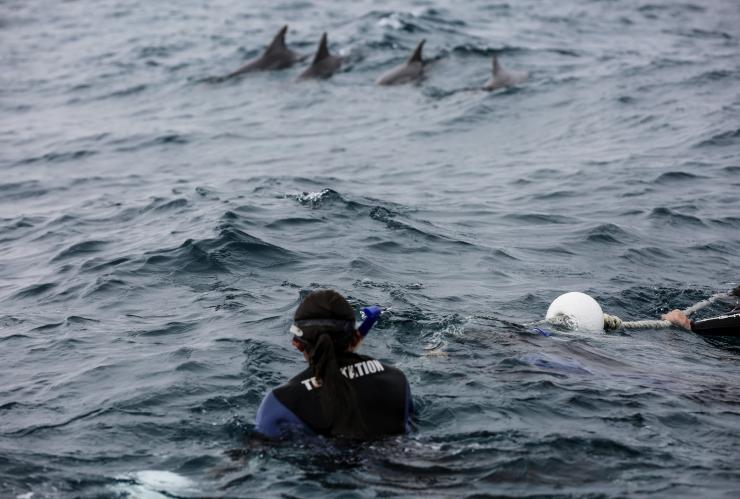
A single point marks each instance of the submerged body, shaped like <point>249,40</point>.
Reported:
<point>324,64</point>
<point>502,78</point>
<point>411,70</point>
<point>276,56</point>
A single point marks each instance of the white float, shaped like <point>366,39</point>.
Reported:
<point>576,311</point>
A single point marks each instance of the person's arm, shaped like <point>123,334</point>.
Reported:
<point>275,421</point>
<point>677,318</point>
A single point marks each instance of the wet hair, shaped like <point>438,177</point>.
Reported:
<point>327,323</point>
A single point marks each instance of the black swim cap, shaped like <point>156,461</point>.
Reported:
<point>324,311</point>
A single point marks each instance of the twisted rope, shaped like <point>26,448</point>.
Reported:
<point>613,322</point>
<point>705,303</point>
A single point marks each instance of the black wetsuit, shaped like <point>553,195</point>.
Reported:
<point>383,396</point>
<point>724,325</point>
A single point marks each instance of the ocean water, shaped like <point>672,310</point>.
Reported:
<point>157,226</point>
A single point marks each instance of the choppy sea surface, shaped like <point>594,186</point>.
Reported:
<point>157,226</point>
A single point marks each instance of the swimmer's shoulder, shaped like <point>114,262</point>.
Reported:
<point>293,386</point>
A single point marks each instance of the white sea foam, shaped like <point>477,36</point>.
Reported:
<point>155,484</point>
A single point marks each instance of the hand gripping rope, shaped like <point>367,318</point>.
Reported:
<point>612,322</point>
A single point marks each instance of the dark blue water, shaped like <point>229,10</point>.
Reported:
<point>156,228</point>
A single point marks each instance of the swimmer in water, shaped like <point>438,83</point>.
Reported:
<point>342,393</point>
<point>723,325</point>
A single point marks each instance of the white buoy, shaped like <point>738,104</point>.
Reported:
<point>576,311</point>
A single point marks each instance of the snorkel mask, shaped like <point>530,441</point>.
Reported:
<point>370,316</point>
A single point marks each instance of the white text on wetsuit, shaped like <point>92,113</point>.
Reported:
<point>352,371</point>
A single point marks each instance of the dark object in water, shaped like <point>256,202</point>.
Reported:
<point>723,325</point>
<point>276,56</point>
<point>410,70</point>
<point>324,64</point>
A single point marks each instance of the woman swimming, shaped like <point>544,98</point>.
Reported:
<point>342,393</point>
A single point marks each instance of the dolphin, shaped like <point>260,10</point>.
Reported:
<point>276,56</point>
<point>502,78</point>
<point>324,64</point>
<point>408,71</point>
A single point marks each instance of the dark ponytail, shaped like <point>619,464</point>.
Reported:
<point>337,396</point>
<point>326,322</point>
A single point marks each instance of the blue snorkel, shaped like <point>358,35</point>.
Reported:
<point>370,316</point>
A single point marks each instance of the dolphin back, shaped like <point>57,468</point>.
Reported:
<point>324,64</point>
<point>501,78</point>
<point>276,56</point>
<point>412,69</point>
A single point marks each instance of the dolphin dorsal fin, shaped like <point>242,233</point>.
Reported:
<point>496,67</point>
<point>416,56</point>
<point>278,43</point>
<point>323,51</point>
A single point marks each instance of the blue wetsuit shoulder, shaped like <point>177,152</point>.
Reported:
<point>275,421</point>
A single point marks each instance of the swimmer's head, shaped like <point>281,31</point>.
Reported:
<point>324,328</point>
<point>324,311</point>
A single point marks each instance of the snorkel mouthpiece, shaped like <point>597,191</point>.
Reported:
<point>370,316</point>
